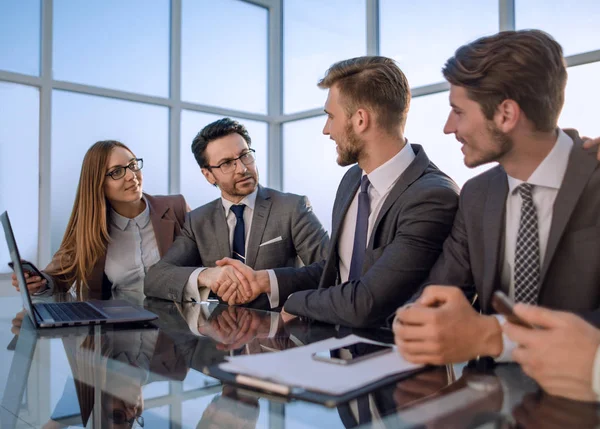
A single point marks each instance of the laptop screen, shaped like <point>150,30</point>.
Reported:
<point>16,259</point>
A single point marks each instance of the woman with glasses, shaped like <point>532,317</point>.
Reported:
<point>116,232</point>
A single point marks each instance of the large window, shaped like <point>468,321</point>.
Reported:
<point>19,172</point>
<point>574,24</point>
<point>317,34</point>
<point>114,44</point>
<point>153,73</point>
<point>422,35</point>
<point>20,36</point>
<point>583,87</point>
<point>224,52</point>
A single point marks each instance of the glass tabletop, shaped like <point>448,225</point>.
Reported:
<point>151,375</point>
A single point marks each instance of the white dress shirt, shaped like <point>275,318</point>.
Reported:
<point>547,179</point>
<point>191,291</point>
<point>131,251</point>
<point>382,180</point>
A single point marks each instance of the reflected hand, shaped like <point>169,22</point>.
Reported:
<point>34,283</point>
<point>227,282</point>
<point>257,281</point>
<point>442,327</point>
<point>17,322</point>
<point>540,410</point>
<point>420,385</point>
<point>560,356</point>
<point>235,327</point>
<point>286,317</point>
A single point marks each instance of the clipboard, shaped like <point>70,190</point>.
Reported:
<point>291,392</point>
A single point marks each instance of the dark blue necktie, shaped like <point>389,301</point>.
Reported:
<point>239,234</point>
<point>360,233</point>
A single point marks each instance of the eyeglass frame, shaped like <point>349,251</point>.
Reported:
<point>234,160</point>
<point>137,161</point>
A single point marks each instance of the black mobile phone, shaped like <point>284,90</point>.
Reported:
<point>504,305</point>
<point>366,351</point>
<point>28,267</point>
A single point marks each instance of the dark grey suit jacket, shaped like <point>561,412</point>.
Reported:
<point>406,240</point>
<point>204,240</point>
<point>570,277</point>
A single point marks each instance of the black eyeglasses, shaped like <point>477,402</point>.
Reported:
<point>120,170</point>
<point>120,418</point>
<point>228,166</point>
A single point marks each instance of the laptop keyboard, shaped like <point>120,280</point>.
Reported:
<point>73,311</point>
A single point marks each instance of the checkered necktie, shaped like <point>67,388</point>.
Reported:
<point>527,255</point>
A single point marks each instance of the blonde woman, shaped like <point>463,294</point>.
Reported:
<point>116,232</point>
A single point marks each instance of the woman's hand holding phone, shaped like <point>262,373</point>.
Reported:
<point>35,282</point>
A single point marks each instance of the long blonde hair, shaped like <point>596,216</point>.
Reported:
<point>86,236</point>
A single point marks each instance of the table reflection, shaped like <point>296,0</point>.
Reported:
<point>105,371</point>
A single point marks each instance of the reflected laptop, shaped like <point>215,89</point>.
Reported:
<point>53,315</point>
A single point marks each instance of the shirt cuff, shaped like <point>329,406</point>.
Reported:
<point>507,345</point>
<point>274,295</point>
<point>191,291</point>
<point>274,324</point>
<point>49,289</point>
<point>596,374</point>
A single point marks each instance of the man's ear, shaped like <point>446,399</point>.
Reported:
<point>361,120</point>
<point>507,115</point>
<point>209,176</point>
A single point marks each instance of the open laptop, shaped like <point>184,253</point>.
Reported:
<point>53,315</point>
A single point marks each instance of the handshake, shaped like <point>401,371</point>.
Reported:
<point>234,282</point>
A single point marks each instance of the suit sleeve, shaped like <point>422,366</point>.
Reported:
<point>310,238</point>
<point>168,277</point>
<point>453,267</point>
<point>398,268</point>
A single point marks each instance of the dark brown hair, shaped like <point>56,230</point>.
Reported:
<point>373,82</point>
<point>526,66</point>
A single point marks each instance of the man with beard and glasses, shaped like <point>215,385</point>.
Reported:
<point>258,226</point>
<point>392,211</point>
<point>528,226</point>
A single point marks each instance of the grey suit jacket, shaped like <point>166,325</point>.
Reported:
<point>570,277</point>
<point>204,240</point>
<point>406,240</point>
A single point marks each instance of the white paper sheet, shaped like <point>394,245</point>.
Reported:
<point>296,367</point>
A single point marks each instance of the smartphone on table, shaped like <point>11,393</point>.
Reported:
<point>504,306</point>
<point>365,351</point>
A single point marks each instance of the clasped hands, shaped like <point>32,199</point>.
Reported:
<point>234,282</point>
<point>442,327</point>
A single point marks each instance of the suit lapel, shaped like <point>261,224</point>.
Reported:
<point>164,229</point>
<point>493,225</point>
<point>412,173</point>
<point>219,223</point>
<point>579,169</point>
<point>339,214</point>
<point>262,208</point>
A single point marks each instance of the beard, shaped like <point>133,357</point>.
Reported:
<point>240,190</point>
<point>352,148</point>
<point>502,144</point>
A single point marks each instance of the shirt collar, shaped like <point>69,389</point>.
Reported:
<point>551,171</point>
<point>249,200</point>
<point>121,222</point>
<point>387,174</point>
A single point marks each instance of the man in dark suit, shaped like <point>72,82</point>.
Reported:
<point>262,227</point>
<point>391,213</point>
<point>529,226</point>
